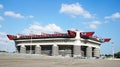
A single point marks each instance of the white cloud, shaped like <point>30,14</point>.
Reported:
<point>5,43</point>
<point>36,28</point>
<point>75,10</point>
<point>0,26</point>
<point>2,33</point>
<point>1,6</point>
<point>31,16</point>
<point>13,14</point>
<point>3,39</point>
<point>113,16</point>
<point>94,24</point>
<point>74,29</point>
<point>1,18</point>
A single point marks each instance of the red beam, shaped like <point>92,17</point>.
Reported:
<point>11,37</point>
<point>86,34</point>
<point>107,39</point>
<point>71,33</point>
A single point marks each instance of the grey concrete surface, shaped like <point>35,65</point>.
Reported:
<point>21,60</point>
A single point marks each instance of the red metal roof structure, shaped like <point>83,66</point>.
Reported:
<point>86,35</point>
<point>107,39</point>
<point>69,34</point>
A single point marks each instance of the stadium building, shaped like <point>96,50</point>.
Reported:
<point>72,44</point>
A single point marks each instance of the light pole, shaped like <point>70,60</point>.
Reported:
<point>113,49</point>
<point>6,46</point>
<point>31,43</point>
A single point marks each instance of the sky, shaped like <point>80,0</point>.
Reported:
<point>48,16</point>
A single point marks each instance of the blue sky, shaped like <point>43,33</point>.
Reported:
<point>22,16</point>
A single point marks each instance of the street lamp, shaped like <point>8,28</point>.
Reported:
<point>113,49</point>
<point>31,43</point>
<point>6,46</point>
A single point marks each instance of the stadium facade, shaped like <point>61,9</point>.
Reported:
<point>72,44</point>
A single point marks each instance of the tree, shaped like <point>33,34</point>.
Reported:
<point>108,55</point>
<point>117,55</point>
<point>3,51</point>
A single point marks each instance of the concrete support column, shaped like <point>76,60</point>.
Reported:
<point>31,49</point>
<point>37,49</point>
<point>76,51</point>
<point>16,50</point>
<point>97,52</point>
<point>54,50</point>
<point>22,49</point>
<point>89,52</point>
<point>77,45</point>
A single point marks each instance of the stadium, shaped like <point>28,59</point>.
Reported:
<point>71,44</point>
